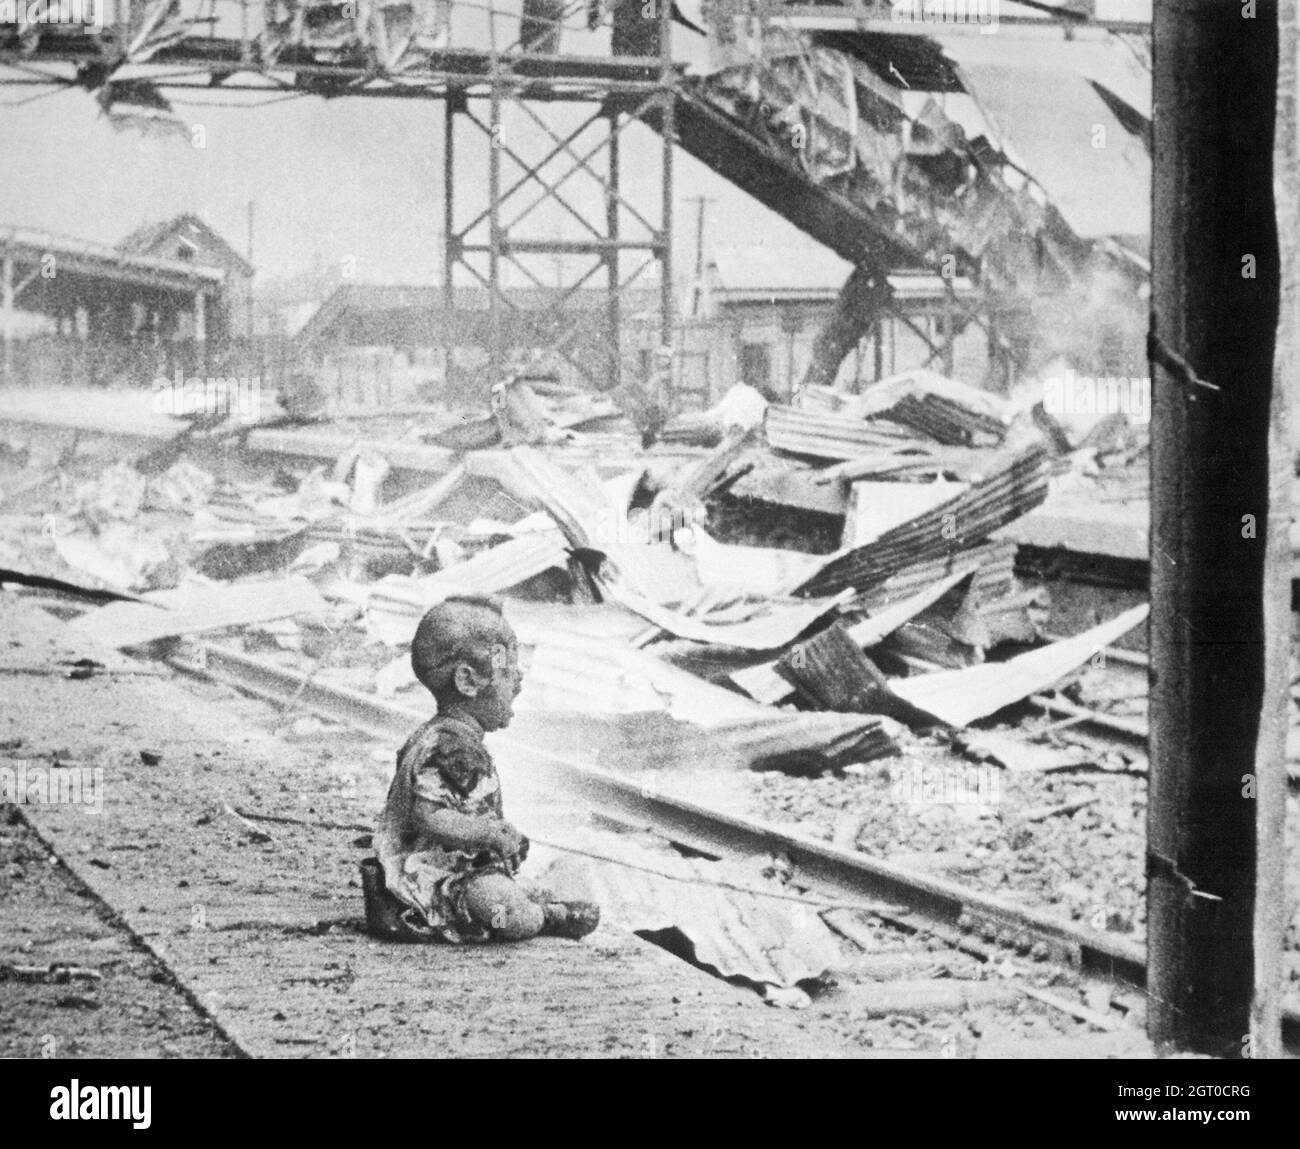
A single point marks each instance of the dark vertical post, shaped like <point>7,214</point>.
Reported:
<point>495,234</point>
<point>1217,644</point>
<point>949,329</point>
<point>668,82</point>
<point>697,291</point>
<point>450,241</point>
<point>613,205</point>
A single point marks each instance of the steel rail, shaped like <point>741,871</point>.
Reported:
<point>642,801</point>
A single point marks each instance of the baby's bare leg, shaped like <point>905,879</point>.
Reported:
<point>496,902</point>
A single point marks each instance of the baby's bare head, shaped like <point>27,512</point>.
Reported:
<point>466,654</point>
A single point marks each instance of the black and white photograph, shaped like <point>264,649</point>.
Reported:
<point>650,530</point>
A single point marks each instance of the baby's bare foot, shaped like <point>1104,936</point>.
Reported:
<point>571,919</point>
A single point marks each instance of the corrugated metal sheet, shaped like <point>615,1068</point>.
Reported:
<point>946,422</point>
<point>835,437</point>
<point>580,672</point>
<point>993,563</point>
<point>962,696</point>
<point>761,939</point>
<point>582,511</point>
<point>1013,489</point>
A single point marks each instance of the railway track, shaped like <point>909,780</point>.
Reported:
<point>837,873</point>
<point>966,920</point>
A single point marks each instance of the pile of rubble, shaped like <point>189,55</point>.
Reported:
<point>662,624</point>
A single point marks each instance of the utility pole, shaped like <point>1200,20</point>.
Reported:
<point>1220,578</point>
<point>697,295</point>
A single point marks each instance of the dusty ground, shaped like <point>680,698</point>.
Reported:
<point>265,931</point>
<point>49,918</point>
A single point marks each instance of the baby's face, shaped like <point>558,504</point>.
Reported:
<point>494,705</point>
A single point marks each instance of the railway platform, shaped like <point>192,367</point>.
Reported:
<point>262,930</point>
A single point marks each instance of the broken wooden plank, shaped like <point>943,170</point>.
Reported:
<point>763,684</point>
<point>831,670</point>
<point>196,609</point>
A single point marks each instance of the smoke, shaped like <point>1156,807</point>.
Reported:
<point>1097,326</point>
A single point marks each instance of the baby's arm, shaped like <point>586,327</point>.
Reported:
<point>470,832</point>
<point>446,782</point>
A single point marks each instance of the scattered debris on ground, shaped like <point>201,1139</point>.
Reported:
<point>816,600</point>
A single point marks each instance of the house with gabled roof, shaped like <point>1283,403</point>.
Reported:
<point>187,238</point>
